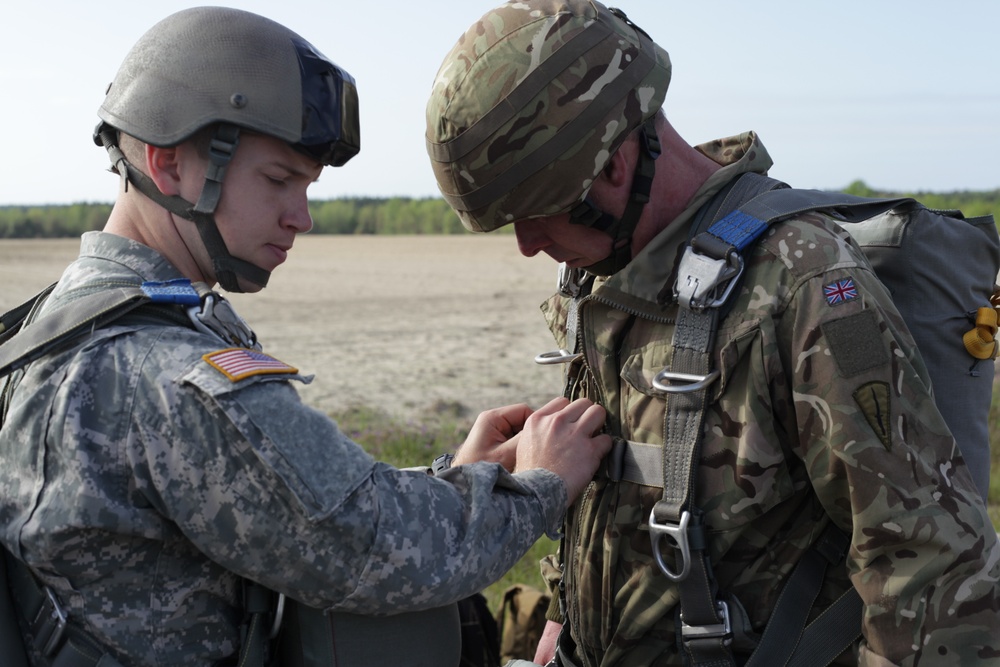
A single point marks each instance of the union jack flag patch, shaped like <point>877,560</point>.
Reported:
<point>840,291</point>
<point>238,363</point>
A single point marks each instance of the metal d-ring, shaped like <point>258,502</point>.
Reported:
<point>676,533</point>
<point>691,382</point>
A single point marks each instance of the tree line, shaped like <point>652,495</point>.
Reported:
<point>395,215</point>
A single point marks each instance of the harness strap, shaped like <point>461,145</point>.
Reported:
<point>788,619</point>
<point>255,634</point>
<point>46,623</point>
<point>88,312</point>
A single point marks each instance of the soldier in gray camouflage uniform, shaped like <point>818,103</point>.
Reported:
<point>149,467</point>
<point>546,114</point>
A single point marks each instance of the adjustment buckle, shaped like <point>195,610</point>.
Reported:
<point>721,630</point>
<point>700,276</point>
<point>678,534</point>
<point>56,621</point>
<point>279,616</point>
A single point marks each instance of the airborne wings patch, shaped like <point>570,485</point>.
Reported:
<point>238,363</point>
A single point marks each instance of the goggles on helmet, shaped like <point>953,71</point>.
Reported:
<point>331,130</point>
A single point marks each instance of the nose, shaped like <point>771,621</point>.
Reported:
<point>298,218</point>
<point>530,238</point>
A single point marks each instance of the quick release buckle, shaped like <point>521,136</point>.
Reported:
<point>216,316</point>
<point>676,533</point>
<point>700,277</point>
<point>56,621</point>
<point>721,630</point>
<point>571,280</point>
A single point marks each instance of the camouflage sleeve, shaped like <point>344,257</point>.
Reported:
<point>272,490</point>
<point>923,555</point>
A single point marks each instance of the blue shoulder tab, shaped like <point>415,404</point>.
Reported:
<point>178,291</point>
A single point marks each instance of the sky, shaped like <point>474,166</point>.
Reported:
<point>903,94</point>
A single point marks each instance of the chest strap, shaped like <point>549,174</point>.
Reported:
<point>46,625</point>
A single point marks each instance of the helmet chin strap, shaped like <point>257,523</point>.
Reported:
<point>223,144</point>
<point>621,229</point>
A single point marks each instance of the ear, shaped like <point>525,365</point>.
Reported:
<point>163,167</point>
<point>619,169</point>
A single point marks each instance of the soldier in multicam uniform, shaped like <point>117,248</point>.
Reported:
<point>150,467</point>
<point>546,114</point>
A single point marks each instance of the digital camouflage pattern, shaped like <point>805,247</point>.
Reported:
<point>140,484</point>
<point>531,103</point>
<point>823,413</point>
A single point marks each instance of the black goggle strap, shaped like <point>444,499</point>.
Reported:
<point>223,143</point>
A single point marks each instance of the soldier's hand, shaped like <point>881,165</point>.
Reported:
<point>560,437</point>
<point>494,436</point>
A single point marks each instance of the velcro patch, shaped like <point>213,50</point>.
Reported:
<point>238,363</point>
<point>856,343</point>
<point>873,399</point>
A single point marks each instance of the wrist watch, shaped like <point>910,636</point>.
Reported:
<point>442,463</point>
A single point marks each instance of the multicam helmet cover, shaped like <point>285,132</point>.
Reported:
<point>531,103</point>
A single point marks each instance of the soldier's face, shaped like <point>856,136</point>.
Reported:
<point>264,203</point>
<point>562,240</point>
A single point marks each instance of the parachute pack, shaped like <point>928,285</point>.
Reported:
<point>941,270</point>
<point>940,267</point>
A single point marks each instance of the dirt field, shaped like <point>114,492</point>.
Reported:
<point>413,324</point>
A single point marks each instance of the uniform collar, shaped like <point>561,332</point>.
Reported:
<point>131,257</point>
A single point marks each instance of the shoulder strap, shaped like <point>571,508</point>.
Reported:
<point>36,338</point>
<point>24,339</point>
<point>45,622</point>
<point>713,262</point>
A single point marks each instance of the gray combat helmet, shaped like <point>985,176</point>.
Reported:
<point>530,104</point>
<point>233,70</point>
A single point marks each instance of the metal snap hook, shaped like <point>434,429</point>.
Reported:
<point>561,356</point>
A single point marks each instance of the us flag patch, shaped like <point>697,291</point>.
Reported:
<point>238,363</point>
<point>840,291</point>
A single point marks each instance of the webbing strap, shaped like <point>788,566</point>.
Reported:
<point>60,643</point>
<point>833,631</point>
<point>783,635</point>
<point>90,311</point>
<point>694,336</point>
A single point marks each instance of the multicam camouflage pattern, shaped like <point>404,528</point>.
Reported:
<point>535,161</point>
<point>788,448</point>
<point>141,484</point>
